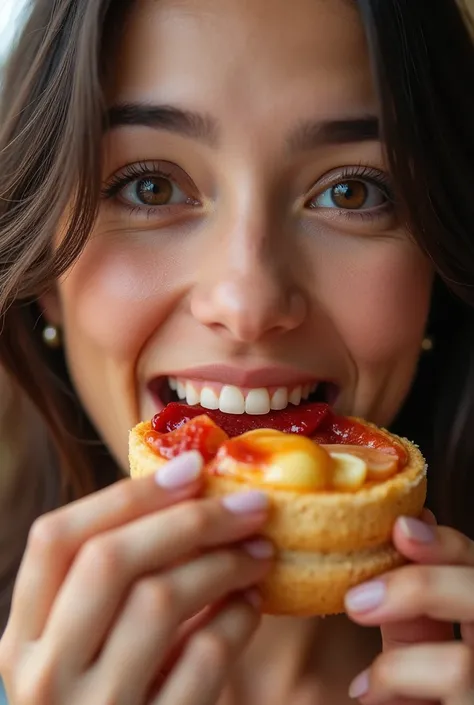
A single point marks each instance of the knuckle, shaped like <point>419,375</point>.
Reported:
<point>418,582</point>
<point>465,581</point>
<point>7,653</point>
<point>154,598</point>
<point>460,669</point>
<point>383,669</point>
<point>35,687</point>
<point>125,497</point>
<point>231,562</point>
<point>32,692</point>
<point>196,518</point>
<point>210,650</point>
<point>46,533</point>
<point>100,557</point>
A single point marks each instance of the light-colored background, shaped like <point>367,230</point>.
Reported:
<point>9,12</point>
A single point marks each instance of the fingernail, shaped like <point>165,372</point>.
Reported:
<point>366,597</point>
<point>254,597</point>
<point>359,686</point>
<point>259,548</point>
<point>246,502</point>
<point>180,471</point>
<point>416,530</point>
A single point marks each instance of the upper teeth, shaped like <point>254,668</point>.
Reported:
<point>234,400</point>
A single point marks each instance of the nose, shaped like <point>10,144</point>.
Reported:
<point>246,291</point>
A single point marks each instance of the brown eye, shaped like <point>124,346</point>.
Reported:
<point>350,194</point>
<point>154,191</point>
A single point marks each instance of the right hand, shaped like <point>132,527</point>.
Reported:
<point>136,595</point>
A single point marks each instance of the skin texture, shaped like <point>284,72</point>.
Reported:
<point>239,270</point>
<point>248,275</point>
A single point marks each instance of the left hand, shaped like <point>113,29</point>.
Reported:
<point>416,606</point>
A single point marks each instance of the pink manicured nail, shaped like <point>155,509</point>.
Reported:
<point>359,686</point>
<point>246,502</point>
<point>259,548</point>
<point>416,530</point>
<point>181,471</point>
<point>366,597</point>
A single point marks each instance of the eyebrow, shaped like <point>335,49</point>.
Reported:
<point>310,135</point>
<point>164,117</point>
<point>199,126</point>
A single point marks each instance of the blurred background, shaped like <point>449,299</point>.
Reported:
<point>10,11</point>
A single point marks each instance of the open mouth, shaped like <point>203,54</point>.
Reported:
<point>298,408</point>
<point>230,399</point>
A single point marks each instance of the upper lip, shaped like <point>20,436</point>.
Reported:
<point>270,376</point>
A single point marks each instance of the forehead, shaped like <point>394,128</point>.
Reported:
<point>264,55</point>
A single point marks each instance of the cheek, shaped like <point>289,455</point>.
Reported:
<point>380,300</point>
<point>115,296</point>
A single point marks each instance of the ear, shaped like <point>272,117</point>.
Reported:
<point>50,305</point>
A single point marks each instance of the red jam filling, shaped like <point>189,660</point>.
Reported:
<point>304,419</point>
<point>196,435</point>
<point>316,421</point>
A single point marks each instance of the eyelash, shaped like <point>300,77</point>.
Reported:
<point>362,172</point>
<point>130,173</point>
<point>369,174</point>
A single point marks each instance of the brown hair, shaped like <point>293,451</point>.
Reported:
<point>51,121</point>
<point>51,126</point>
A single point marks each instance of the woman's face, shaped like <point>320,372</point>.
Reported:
<point>246,244</point>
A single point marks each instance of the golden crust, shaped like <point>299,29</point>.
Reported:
<point>306,584</point>
<point>142,460</point>
<point>328,541</point>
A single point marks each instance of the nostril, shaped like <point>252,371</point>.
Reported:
<point>246,311</point>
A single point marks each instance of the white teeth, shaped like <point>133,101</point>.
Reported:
<point>295,396</point>
<point>209,399</point>
<point>257,402</point>
<point>279,399</point>
<point>231,400</point>
<point>192,395</point>
<point>173,383</point>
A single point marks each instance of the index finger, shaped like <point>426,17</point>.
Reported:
<point>56,537</point>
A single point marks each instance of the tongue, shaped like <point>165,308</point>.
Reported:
<point>305,419</point>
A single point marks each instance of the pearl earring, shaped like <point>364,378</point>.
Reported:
<point>427,344</point>
<point>52,337</point>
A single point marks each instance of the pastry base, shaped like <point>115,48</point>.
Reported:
<point>309,584</point>
<point>326,542</point>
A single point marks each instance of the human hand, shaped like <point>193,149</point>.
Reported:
<point>416,606</point>
<point>136,595</point>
